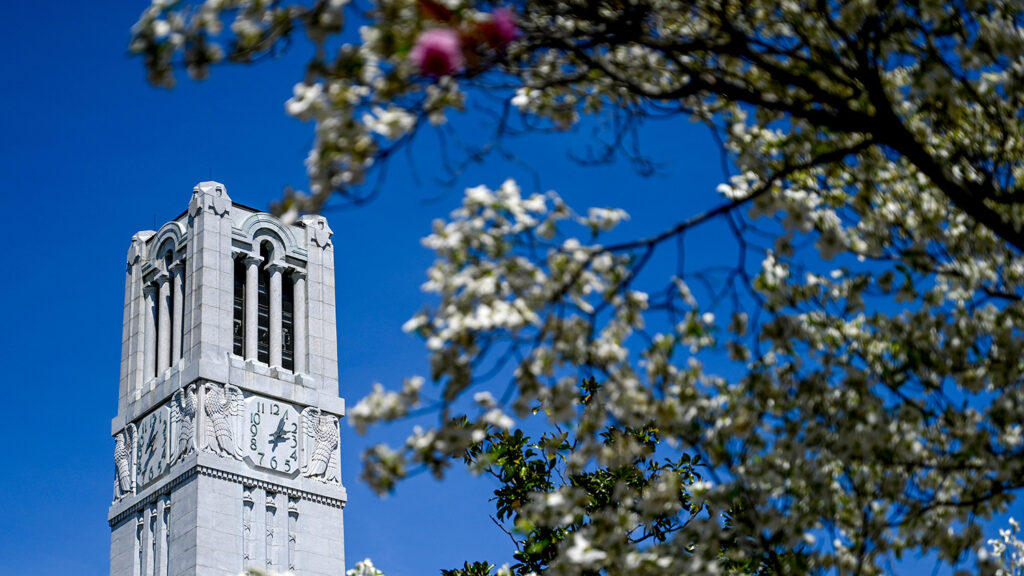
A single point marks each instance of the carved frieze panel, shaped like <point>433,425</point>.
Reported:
<point>321,446</point>
<point>124,462</point>
<point>223,405</point>
<point>183,423</point>
<point>266,433</point>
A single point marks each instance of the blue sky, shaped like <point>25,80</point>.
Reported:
<point>91,153</point>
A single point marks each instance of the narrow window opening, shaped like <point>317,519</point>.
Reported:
<point>154,361</point>
<point>172,298</point>
<point>238,308</point>
<point>263,309</point>
<point>180,352</point>
<point>287,322</point>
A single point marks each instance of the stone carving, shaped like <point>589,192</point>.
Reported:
<point>195,205</point>
<point>123,444</point>
<point>320,445</point>
<point>293,524</point>
<point>247,505</point>
<point>223,406</point>
<point>136,250</point>
<point>183,422</point>
<point>209,195</point>
<point>271,510</point>
<point>319,230</point>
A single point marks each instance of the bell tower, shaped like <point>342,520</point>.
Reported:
<point>226,439</point>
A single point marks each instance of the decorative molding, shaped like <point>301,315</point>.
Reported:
<point>173,230</point>
<point>244,481</point>
<point>139,507</point>
<point>270,486</point>
<point>261,224</point>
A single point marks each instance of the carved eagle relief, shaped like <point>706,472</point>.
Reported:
<point>183,422</point>
<point>321,439</point>
<point>123,444</point>
<point>223,406</point>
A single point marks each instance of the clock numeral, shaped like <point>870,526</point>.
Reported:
<point>261,457</point>
<point>252,445</point>
<point>287,465</point>
<point>255,418</point>
<point>275,409</point>
<point>273,462</point>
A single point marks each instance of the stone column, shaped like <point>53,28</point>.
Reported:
<point>299,321</point>
<point>149,353</point>
<point>163,350</point>
<point>275,269</point>
<point>252,296</point>
<point>178,271</point>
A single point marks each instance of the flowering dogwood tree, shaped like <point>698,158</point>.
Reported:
<point>848,393</point>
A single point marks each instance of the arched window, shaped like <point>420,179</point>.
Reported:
<point>288,322</point>
<point>263,311</point>
<point>264,294</point>
<point>238,308</point>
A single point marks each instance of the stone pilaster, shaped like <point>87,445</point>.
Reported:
<point>322,334</point>
<point>132,337</point>
<point>211,269</point>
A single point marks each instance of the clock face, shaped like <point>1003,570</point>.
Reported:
<point>272,435</point>
<point>151,446</point>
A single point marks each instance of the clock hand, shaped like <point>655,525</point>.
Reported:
<point>277,436</point>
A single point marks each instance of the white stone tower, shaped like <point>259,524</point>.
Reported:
<point>226,436</point>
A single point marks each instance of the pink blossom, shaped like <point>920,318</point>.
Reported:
<point>437,52</point>
<point>505,29</point>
